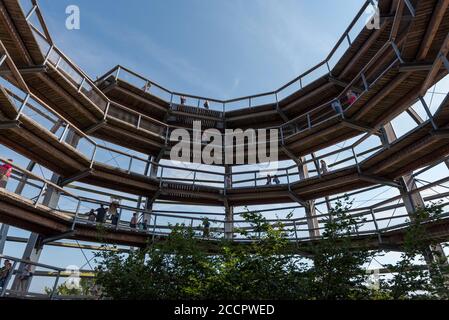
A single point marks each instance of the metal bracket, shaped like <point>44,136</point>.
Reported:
<point>96,126</point>
<point>61,236</point>
<point>76,177</point>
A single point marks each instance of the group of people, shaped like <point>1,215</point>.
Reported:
<point>5,173</point>
<point>102,214</point>
<point>351,97</point>
<point>183,101</point>
<point>272,179</point>
<point>5,272</point>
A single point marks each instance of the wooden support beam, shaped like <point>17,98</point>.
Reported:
<point>415,116</point>
<point>96,127</point>
<point>61,236</point>
<point>381,95</point>
<point>5,125</point>
<point>379,180</point>
<point>435,22</point>
<point>76,177</point>
<point>362,52</point>
<point>441,133</point>
<point>397,20</point>
<point>438,63</point>
<point>415,67</point>
<point>357,126</point>
<point>344,84</point>
<point>25,70</point>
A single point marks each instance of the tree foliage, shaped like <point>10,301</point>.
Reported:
<point>266,267</point>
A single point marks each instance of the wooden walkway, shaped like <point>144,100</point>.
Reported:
<point>390,67</point>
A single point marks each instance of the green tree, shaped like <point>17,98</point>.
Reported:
<point>339,270</point>
<point>414,276</point>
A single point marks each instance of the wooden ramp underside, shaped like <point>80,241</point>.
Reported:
<point>390,94</point>
<point>416,149</point>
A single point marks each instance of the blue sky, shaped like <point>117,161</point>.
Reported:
<point>213,48</point>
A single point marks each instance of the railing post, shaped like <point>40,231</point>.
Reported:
<point>81,84</point>
<point>365,82</point>
<point>94,154</point>
<point>24,103</point>
<point>31,12</point>
<point>61,139</point>
<point>194,178</point>
<point>349,39</point>
<point>410,7</point>
<point>118,73</point>
<point>161,178</point>
<point>58,62</point>
<point>106,111</point>
<point>154,227</point>
<point>130,163</point>
<point>376,225</point>
<point>309,121</point>
<point>429,114</point>
<point>255,179</point>
<point>120,212</point>
<point>3,59</point>
<point>296,232</point>
<point>288,179</point>
<point>397,52</point>
<point>139,121</point>
<point>75,218</point>
<point>356,160</point>
<point>282,135</point>
<point>445,61</point>
<point>47,56</point>
<point>40,194</point>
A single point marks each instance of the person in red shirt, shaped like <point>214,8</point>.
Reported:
<point>5,173</point>
<point>352,97</point>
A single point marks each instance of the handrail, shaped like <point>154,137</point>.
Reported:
<point>84,78</point>
<point>134,157</point>
<point>372,213</point>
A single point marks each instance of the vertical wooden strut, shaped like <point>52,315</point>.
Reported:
<point>412,200</point>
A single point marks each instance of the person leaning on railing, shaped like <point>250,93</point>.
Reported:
<point>206,228</point>
<point>5,173</point>
<point>351,96</point>
<point>183,100</point>
<point>133,222</point>
<point>24,276</point>
<point>4,273</point>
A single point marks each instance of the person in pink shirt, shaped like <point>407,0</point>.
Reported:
<point>5,173</point>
